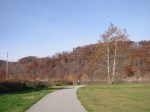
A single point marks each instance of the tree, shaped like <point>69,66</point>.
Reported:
<point>111,47</point>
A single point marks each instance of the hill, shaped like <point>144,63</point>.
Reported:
<point>79,64</point>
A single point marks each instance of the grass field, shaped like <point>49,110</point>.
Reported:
<point>19,102</point>
<point>115,98</point>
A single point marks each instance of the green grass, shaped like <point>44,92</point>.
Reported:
<point>19,102</point>
<point>115,98</point>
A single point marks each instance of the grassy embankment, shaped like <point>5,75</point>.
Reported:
<point>19,102</point>
<point>115,98</point>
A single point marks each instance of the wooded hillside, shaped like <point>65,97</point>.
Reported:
<point>79,64</point>
<point>113,59</point>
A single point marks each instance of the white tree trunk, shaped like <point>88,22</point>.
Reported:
<point>114,63</point>
<point>109,59</point>
<point>108,64</point>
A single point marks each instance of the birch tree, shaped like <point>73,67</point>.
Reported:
<point>112,44</point>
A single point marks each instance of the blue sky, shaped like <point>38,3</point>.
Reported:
<point>43,27</point>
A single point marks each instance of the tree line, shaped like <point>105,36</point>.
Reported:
<point>112,59</point>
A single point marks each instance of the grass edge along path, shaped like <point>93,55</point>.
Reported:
<point>20,102</point>
<point>115,98</point>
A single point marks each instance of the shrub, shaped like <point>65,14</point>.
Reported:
<point>67,82</point>
<point>61,82</point>
<point>11,86</point>
<point>36,84</point>
<point>18,86</point>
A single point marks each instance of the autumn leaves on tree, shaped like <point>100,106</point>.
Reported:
<point>114,58</point>
<point>111,49</point>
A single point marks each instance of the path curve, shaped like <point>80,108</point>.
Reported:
<point>64,100</point>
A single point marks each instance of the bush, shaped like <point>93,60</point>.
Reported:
<point>36,84</point>
<point>11,86</point>
<point>68,82</point>
<point>58,82</point>
<point>61,82</point>
<point>17,86</point>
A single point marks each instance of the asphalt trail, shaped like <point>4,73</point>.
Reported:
<point>64,100</point>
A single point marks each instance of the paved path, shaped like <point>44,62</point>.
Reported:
<point>64,100</point>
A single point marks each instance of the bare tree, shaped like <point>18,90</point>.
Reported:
<point>110,51</point>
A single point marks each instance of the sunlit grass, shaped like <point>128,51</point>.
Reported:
<point>19,102</point>
<point>115,98</point>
